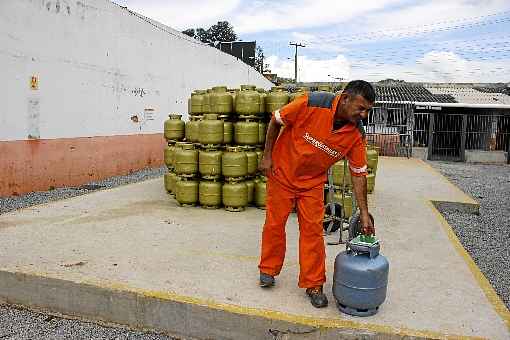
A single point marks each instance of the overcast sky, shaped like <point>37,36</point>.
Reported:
<point>434,40</point>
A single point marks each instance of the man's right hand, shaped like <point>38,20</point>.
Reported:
<point>367,224</point>
<point>266,165</point>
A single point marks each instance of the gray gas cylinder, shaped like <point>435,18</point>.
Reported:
<point>360,278</point>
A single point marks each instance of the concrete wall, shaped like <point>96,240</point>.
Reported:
<point>100,70</point>
<point>479,156</point>
<point>98,65</point>
<point>472,156</point>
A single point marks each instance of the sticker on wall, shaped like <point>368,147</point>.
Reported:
<point>34,83</point>
<point>33,113</point>
<point>142,118</point>
<point>148,114</point>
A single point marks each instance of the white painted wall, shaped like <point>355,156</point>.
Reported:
<point>97,65</point>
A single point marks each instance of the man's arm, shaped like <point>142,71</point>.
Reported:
<point>272,134</point>
<point>359,186</point>
<point>358,168</point>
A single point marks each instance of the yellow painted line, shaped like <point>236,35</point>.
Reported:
<point>482,281</point>
<point>468,198</point>
<point>320,323</point>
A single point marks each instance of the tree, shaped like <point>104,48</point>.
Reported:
<point>202,35</point>
<point>190,32</point>
<point>222,31</point>
<point>259,59</point>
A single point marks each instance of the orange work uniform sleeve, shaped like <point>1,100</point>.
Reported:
<point>357,157</point>
<point>288,114</point>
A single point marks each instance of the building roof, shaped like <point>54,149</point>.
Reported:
<point>470,95</point>
<point>410,92</point>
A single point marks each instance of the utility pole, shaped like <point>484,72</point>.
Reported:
<point>295,59</point>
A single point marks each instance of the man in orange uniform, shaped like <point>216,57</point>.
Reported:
<point>319,129</point>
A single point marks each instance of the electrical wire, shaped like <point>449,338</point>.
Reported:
<point>384,34</point>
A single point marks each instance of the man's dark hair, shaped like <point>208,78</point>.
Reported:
<point>362,88</point>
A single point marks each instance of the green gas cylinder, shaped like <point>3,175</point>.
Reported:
<point>207,101</point>
<point>220,101</point>
<point>186,161</point>
<point>233,93</point>
<point>210,130</point>
<point>346,202</point>
<point>168,184</point>
<point>372,159</point>
<point>262,132</point>
<point>210,163</point>
<point>370,183</point>
<point>246,132</point>
<point>252,164</point>
<point>234,163</point>
<point>262,105</point>
<point>172,180</point>
<point>228,132</point>
<point>340,169</point>
<point>276,99</point>
<point>247,101</point>
<point>209,194</point>
<point>251,190</point>
<point>260,192</point>
<point>192,127</point>
<point>260,154</point>
<point>235,196</point>
<point>248,87</point>
<point>174,128</point>
<point>169,156</point>
<point>198,102</point>
<point>186,191</point>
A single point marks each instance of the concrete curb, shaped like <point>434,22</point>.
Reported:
<point>184,317</point>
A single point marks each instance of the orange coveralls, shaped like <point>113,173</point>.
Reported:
<point>302,154</point>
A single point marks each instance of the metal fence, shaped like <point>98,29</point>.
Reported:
<point>421,129</point>
<point>447,133</point>
<point>452,134</point>
<point>390,127</point>
<point>447,138</point>
<point>487,132</point>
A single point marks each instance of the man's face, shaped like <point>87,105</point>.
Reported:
<point>353,108</point>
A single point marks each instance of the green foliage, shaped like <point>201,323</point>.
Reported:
<point>222,31</point>
<point>190,32</point>
<point>259,59</point>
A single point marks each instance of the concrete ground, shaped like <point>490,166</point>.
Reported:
<point>490,185</point>
<point>130,255</point>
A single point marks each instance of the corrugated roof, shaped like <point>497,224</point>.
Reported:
<point>469,95</point>
<point>408,92</point>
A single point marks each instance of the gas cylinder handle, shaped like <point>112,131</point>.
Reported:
<point>371,250</point>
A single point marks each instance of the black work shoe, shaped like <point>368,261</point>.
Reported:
<point>266,280</point>
<point>317,297</point>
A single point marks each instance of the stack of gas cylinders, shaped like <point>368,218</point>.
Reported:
<point>342,184</point>
<point>213,158</point>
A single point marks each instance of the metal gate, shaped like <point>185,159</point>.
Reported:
<point>488,132</point>
<point>390,127</point>
<point>446,136</point>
